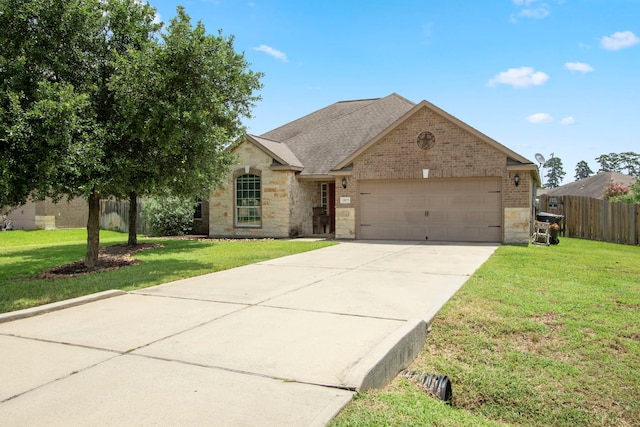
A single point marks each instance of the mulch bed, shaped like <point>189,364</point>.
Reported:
<point>109,258</point>
<point>118,256</point>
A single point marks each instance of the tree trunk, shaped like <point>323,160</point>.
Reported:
<point>133,219</point>
<point>93,231</point>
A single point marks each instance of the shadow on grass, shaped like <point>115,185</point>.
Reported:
<point>178,259</point>
<point>20,289</point>
<point>22,263</point>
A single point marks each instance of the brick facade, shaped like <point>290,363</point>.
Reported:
<point>458,152</point>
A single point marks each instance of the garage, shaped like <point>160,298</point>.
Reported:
<point>448,209</point>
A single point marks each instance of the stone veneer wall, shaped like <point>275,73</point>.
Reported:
<point>517,224</point>
<point>457,153</point>
<point>305,195</point>
<point>276,198</point>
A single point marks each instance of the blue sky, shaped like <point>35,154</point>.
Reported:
<point>539,76</point>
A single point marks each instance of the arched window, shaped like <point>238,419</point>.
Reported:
<point>248,201</point>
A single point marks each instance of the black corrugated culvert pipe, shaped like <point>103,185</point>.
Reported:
<point>438,386</point>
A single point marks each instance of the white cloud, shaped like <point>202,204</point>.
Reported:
<point>540,118</point>
<point>519,77</point>
<point>272,52</point>
<point>568,121</point>
<point>619,40</point>
<point>578,66</point>
<point>536,13</point>
<point>530,9</point>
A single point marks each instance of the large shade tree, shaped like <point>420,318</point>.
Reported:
<point>65,127</point>
<point>180,101</point>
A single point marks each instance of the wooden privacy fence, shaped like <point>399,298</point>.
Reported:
<point>595,219</point>
<point>114,215</point>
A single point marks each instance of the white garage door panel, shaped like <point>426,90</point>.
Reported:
<point>432,209</point>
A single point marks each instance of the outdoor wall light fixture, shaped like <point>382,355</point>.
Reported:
<point>516,179</point>
<point>344,182</point>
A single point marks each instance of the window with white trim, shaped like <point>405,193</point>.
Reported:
<point>248,205</point>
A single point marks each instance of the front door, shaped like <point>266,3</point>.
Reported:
<point>328,203</point>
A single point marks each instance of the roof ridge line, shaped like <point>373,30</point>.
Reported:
<point>262,137</point>
<point>350,113</point>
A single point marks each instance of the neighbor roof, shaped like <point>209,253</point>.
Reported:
<point>592,186</point>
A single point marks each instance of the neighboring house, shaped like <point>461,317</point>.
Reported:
<point>592,186</point>
<point>114,215</point>
<point>382,168</point>
<point>47,215</point>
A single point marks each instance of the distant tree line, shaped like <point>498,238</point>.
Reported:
<point>627,163</point>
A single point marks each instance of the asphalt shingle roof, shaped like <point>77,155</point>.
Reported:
<point>280,151</point>
<point>324,138</point>
<point>592,186</point>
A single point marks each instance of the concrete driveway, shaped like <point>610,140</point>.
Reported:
<point>282,342</point>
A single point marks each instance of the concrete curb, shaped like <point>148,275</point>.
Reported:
<point>388,358</point>
<point>60,305</point>
<point>330,412</point>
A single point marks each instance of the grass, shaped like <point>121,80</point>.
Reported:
<point>24,254</point>
<point>538,336</point>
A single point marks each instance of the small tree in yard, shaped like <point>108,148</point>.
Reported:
<point>168,216</point>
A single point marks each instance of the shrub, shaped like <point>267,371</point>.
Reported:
<point>615,190</point>
<point>168,216</point>
<point>621,193</point>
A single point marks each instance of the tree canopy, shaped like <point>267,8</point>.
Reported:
<point>628,162</point>
<point>582,170</point>
<point>555,174</point>
<point>97,101</point>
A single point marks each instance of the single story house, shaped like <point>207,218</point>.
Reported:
<point>47,215</point>
<point>114,215</point>
<point>384,168</point>
<point>592,186</point>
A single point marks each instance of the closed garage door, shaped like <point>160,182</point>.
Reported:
<point>457,210</point>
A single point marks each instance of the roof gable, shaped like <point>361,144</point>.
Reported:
<point>511,155</point>
<point>278,151</point>
<point>324,138</point>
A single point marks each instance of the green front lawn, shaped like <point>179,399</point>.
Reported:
<point>25,254</point>
<point>543,336</point>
